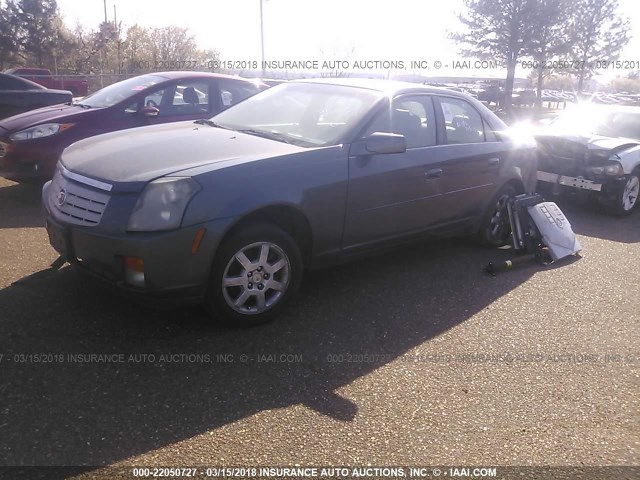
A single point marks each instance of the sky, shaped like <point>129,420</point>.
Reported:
<point>347,30</point>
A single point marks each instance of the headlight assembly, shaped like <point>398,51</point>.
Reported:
<point>162,204</point>
<point>40,131</point>
<point>612,169</point>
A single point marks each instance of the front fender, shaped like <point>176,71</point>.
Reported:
<point>629,159</point>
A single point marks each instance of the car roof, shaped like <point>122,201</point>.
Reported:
<point>27,83</point>
<point>391,87</point>
<point>193,74</point>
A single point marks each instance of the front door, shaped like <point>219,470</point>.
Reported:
<point>394,194</point>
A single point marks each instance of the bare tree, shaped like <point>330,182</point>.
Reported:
<point>549,38</point>
<point>497,30</point>
<point>8,33</point>
<point>337,61</point>
<point>172,43</point>
<point>598,35</point>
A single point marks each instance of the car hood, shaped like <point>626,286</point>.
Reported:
<point>568,154</point>
<point>54,113</point>
<point>146,153</point>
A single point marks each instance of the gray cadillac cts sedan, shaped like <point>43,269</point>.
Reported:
<point>230,210</point>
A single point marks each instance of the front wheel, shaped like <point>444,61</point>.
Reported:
<point>495,228</point>
<point>626,199</point>
<point>255,274</point>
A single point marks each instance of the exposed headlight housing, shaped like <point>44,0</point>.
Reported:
<point>162,204</point>
<point>612,169</point>
<point>40,131</point>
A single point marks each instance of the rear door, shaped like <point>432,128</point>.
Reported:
<point>473,156</point>
<point>391,195</point>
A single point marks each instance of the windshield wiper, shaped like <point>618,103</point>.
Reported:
<point>272,135</point>
<point>81,105</point>
<point>211,123</point>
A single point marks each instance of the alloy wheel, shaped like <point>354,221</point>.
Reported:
<point>630,193</point>
<point>256,278</point>
<point>499,221</point>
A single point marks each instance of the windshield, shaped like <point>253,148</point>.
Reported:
<point>598,121</point>
<point>120,91</point>
<point>305,114</point>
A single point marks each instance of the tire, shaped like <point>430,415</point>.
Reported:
<point>495,228</point>
<point>255,292</point>
<point>626,199</point>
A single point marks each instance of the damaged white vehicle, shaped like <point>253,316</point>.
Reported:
<point>597,149</point>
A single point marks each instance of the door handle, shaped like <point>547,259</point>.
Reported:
<point>493,162</point>
<point>434,173</point>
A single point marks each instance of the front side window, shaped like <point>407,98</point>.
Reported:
<point>412,116</point>
<point>463,123</point>
<point>120,91</point>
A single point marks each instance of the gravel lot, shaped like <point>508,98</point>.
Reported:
<point>413,357</point>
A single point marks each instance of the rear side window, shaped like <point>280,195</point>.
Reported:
<point>412,116</point>
<point>9,83</point>
<point>233,92</point>
<point>463,123</point>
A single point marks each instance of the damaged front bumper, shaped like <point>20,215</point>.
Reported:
<point>567,181</point>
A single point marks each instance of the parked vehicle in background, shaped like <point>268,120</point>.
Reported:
<point>229,210</point>
<point>42,76</point>
<point>597,149</point>
<point>272,82</point>
<point>31,143</point>
<point>18,95</point>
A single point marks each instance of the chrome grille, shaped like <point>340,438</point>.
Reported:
<point>3,151</point>
<point>76,202</point>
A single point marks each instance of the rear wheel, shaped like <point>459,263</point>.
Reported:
<point>495,228</point>
<point>255,274</point>
<point>626,199</point>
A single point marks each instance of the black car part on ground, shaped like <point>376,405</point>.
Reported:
<point>531,238</point>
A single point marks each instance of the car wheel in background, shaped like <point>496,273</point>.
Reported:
<point>495,228</point>
<point>626,198</point>
<point>255,273</point>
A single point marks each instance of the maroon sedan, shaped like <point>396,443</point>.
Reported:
<point>31,143</point>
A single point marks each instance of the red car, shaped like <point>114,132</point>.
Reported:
<point>31,143</point>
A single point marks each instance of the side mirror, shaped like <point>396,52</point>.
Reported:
<point>380,142</point>
<point>148,111</point>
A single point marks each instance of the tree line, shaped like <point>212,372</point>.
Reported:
<point>32,33</point>
<point>573,38</point>
<point>568,37</point>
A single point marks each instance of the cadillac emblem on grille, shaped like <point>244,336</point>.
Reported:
<point>61,197</point>
<point>3,150</point>
<point>75,202</point>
